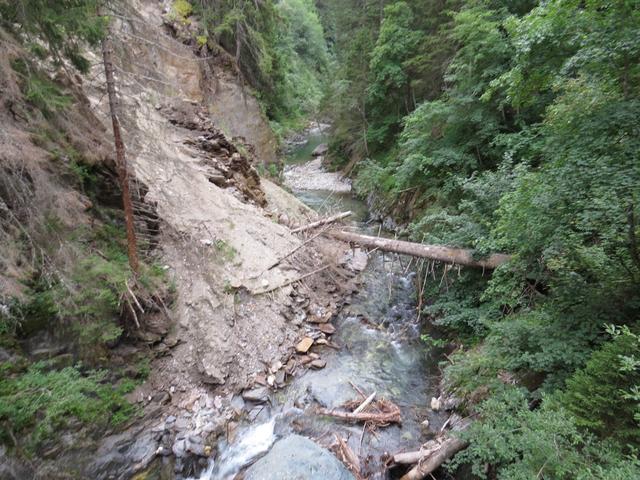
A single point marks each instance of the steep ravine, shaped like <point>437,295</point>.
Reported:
<point>225,381</point>
<point>192,135</point>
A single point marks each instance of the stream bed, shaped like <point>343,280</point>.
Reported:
<point>380,351</point>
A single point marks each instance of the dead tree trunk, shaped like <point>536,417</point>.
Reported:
<point>321,222</point>
<point>433,460</point>
<point>121,160</point>
<point>456,256</point>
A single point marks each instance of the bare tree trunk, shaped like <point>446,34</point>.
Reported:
<point>322,222</point>
<point>433,460</point>
<point>121,160</point>
<point>456,256</point>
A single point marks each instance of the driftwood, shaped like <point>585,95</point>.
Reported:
<point>321,222</point>
<point>364,404</point>
<point>409,458</point>
<point>348,456</point>
<point>434,458</point>
<point>387,413</point>
<point>456,256</point>
<point>433,453</point>
<point>303,244</point>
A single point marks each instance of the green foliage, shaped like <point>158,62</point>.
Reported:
<point>514,127</point>
<point>63,26</point>
<point>36,403</point>
<point>182,9</point>
<point>602,394</point>
<point>225,251</point>
<point>520,443</point>
<point>280,48</point>
<point>39,90</point>
<point>432,342</point>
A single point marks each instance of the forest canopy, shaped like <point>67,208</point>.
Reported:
<point>513,126</point>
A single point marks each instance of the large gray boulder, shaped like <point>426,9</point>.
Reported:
<point>298,458</point>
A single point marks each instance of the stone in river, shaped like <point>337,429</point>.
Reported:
<point>327,328</point>
<point>304,345</point>
<point>258,395</point>
<point>318,364</point>
<point>320,150</point>
<point>298,458</point>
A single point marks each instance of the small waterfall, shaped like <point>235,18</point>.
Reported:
<point>253,442</point>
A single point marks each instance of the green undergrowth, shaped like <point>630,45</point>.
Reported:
<point>79,302</point>
<point>36,403</point>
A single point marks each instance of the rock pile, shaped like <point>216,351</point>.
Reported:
<point>224,165</point>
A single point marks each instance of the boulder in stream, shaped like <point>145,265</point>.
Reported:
<point>320,150</point>
<point>298,458</point>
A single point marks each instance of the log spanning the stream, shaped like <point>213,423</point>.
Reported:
<point>455,256</point>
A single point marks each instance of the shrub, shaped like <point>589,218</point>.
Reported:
<point>598,395</point>
<point>37,402</point>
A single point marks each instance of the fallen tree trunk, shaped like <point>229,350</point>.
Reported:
<point>323,221</point>
<point>387,413</point>
<point>433,459</point>
<point>435,452</point>
<point>455,256</point>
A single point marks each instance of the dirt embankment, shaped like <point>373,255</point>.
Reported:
<point>220,229</point>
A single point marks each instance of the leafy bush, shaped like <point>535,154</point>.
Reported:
<point>39,90</point>
<point>36,404</point>
<point>601,394</point>
<point>521,444</point>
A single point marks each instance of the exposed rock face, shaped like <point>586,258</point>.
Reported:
<point>298,458</point>
<point>211,79</point>
<point>226,166</point>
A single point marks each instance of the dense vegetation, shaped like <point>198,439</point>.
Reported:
<point>513,126</point>
<point>74,279</point>
<point>501,126</point>
<point>278,45</point>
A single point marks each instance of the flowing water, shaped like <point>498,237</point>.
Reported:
<point>380,352</point>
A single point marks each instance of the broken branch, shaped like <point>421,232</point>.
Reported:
<point>364,404</point>
<point>389,413</point>
<point>321,222</point>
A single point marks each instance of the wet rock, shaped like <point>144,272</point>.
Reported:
<point>280,377</point>
<point>327,328</point>
<point>162,398</point>
<point>320,150</point>
<point>258,395</point>
<point>179,447</point>
<point>296,457</point>
<point>451,403</point>
<point>304,345</point>
<point>277,365</point>
<point>318,364</point>
<point>195,445</point>
<point>122,455</point>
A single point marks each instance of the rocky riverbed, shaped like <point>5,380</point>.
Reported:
<point>312,176</point>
